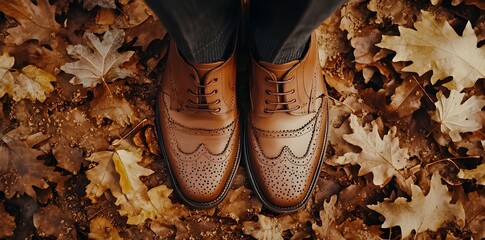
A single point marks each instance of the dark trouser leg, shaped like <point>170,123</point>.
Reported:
<point>280,29</point>
<point>202,29</point>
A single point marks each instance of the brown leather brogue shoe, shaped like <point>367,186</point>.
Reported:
<point>286,131</point>
<point>198,125</point>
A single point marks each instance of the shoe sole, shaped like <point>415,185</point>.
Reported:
<point>195,204</point>
<point>259,192</point>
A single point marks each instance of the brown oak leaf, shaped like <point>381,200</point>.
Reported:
<point>268,228</point>
<point>434,45</point>
<point>328,216</point>
<point>100,61</point>
<point>381,156</point>
<point>51,221</point>
<point>36,21</point>
<point>422,212</point>
<point>20,170</point>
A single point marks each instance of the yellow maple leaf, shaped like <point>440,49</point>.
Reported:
<point>119,172</point>
<point>456,117</point>
<point>31,83</point>
<point>422,212</point>
<point>103,176</point>
<point>383,157</point>
<point>434,45</point>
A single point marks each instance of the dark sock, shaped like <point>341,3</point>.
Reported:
<point>203,30</point>
<point>280,29</point>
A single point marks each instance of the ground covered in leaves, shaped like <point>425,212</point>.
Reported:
<point>79,156</point>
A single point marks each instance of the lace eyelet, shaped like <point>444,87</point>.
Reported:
<point>292,91</point>
<point>218,109</point>
<point>267,91</point>
<point>266,101</point>
<point>266,110</point>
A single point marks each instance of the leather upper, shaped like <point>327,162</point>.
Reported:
<point>199,126</point>
<point>287,128</point>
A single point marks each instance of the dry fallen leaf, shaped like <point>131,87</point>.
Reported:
<point>31,83</point>
<point>434,45</point>
<point>101,228</point>
<point>103,176</point>
<point>328,216</point>
<point>477,173</point>
<point>422,212</point>
<point>36,21</point>
<point>51,221</point>
<point>456,117</point>
<point>268,228</point>
<point>383,157</point>
<point>119,172</point>
<point>237,203</point>
<point>100,61</point>
<point>406,98</point>
<point>20,170</point>
<point>116,108</point>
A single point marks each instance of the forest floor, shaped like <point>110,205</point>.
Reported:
<point>79,156</point>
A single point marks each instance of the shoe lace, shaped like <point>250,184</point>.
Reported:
<point>201,104</point>
<point>280,96</point>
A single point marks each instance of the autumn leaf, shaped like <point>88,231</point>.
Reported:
<point>90,4</point>
<point>237,203</point>
<point>20,170</point>
<point>103,176</point>
<point>383,157</point>
<point>422,212</point>
<point>456,117</point>
<point>268,228</point>
<point>116,108</point>
<point>137,203</point>
<point>477,173</point>
<point>100,61</point>
<point>328,215</point>
<point>406,99</point>
<point>434,45</point>
<point>102,229</point>
<point>51,221</point>
<point>119,172</point>
<point>36,21</point>
<point>31,83</point>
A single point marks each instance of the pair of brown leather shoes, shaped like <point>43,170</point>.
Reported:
<point>283,135</point>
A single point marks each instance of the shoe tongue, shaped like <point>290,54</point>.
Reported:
<point>203,68</point>
<point>279,70</point>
